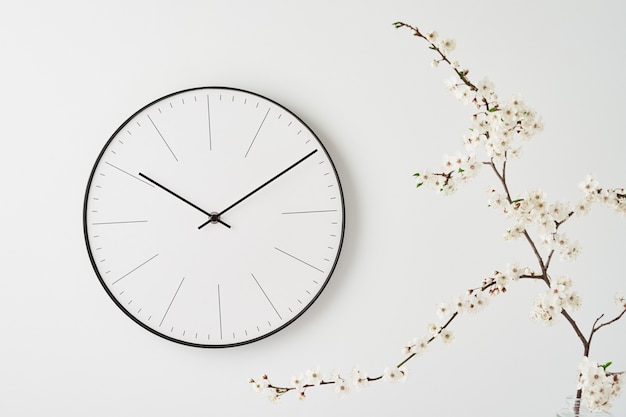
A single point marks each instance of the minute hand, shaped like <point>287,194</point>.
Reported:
<point>261,186</point>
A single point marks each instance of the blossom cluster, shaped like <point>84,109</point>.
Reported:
<point>593,193</point>
<point>473,300</point>
<point>457,169</point>
<point>599,387</point>
<point>356,380</point>
<point>559,296</point>
<point>495,130</point>
<point>530,209</point>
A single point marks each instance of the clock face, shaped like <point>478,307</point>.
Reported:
<point>214,217</point>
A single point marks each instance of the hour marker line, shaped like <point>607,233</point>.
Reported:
<point>208,110</point>
<point>134,269</point>
<point>172,302</point>
<point>307,212</point>
<point>257,133</point>
<point>219,307</point>
<point>129,174</point>
<point>121,222</point>
<point>265,294</point>
<point>164,141</point>
<point>298,259</point>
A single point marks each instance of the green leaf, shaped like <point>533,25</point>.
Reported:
<point>461,170</point>
<point>517,201</point>
<point>417,174</point>
<point>606,365</point>
<point>419,184</point>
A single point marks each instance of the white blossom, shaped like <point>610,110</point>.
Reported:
<point>342,387</point>
<point>432,36</point>
<point>446,335</point>
<point>583,207</point>
<point>447,45</point>
<point>485,87</point>
<point>394,374</point>
<point>359,379</point>
<point>443,310</point>
<point>313,376</point>
<point>418,346</point>
<point>297,382</point>
<point>589,185</point>
<point>433,329</point>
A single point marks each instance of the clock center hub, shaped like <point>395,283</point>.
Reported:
<point>215,217</point>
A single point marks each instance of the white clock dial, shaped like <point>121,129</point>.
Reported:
<point>214,217</point>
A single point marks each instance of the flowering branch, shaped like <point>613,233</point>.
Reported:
<point>495,132</point>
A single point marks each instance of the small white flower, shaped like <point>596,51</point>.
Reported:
<point>313,376</point>
<point>359,379</point>
<point>446,335</point>
<point>434,63</point>
<point>514,271</point>
<point>447,45</point>
<point>341,387</point>
<point>432,36</point>
<point>583,207</point>
<point>464,95</point>
<point>574,301</point>
<point>298,382</point>
<point>589,185</point>
<point>443,310</point>
<point>419,346</point>
<point>433,329</point>
<point>485,87</point>
<point>394,374</point>
<point>559,211</point>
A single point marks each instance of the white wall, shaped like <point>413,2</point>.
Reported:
<point>72,71</point>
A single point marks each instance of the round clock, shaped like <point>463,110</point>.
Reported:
<point>213,217</point>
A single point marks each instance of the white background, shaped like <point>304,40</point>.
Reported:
<point>72,71</point>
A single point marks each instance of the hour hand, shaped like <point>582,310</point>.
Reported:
<point>213,217</point>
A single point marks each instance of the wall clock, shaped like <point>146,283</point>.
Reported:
<point>213,217</point>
